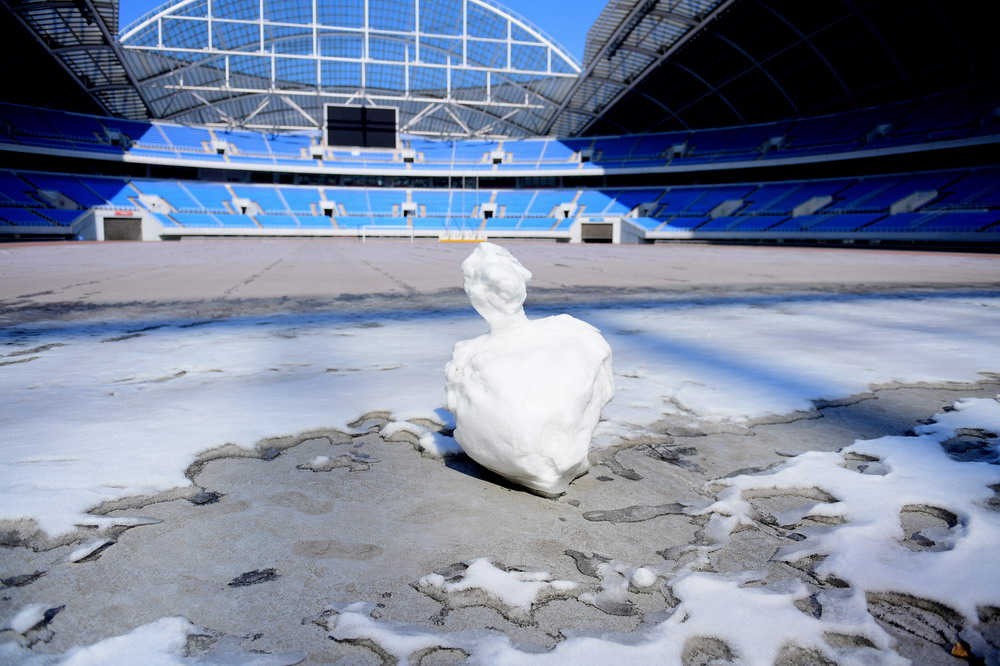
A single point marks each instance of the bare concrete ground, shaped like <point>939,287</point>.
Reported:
<point>369,529</point>
<point>225,277</point>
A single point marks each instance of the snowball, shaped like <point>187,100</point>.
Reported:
<point>527,396</point>
<point>643,577</point>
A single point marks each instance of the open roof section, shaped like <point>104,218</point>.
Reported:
<point>454,68</point>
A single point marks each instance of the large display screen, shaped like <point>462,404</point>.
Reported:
<point>361,126</point>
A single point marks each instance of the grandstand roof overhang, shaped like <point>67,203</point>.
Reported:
<point>629,39</point>
<point>453,68</point>
<point>79,35</point>
<point>738,62</point>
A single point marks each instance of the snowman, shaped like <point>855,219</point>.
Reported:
<point>527,395</point>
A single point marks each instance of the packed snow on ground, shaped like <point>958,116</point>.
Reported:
<point>96,412</point>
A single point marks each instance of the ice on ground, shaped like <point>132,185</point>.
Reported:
<point>527,395</point>
<point>643,577</point>
<point>99,416</point>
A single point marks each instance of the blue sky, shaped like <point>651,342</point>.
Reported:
<point>567,21</point>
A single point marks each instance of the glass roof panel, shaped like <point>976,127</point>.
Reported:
<point>435,60</point>
<point>341,44</point>
<point>388,48</point>
<point>484,23</point>
<point>289,11</point>
<point>346,13</point>
<point>443,17</point>
<point>392,15</point>
<point>235,9</point>
<point>438,50</point>
<point>235,36</point>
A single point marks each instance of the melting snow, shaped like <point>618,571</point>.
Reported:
<point>866,550</point>
<point>160,643</point>
<point>98,414</point>
<point>93,420</point>
<point>756,621</point>
<point>514,589</point>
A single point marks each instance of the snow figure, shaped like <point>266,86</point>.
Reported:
<point>526,396</point>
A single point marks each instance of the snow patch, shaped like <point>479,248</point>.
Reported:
<point>755,622</point>
<point>432,443</point>
<point>164,642</point>
<point>867,550</point>
<point>70,446</point>
<point>512,591</point>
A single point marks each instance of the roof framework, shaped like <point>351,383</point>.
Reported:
<point>629,39</point>
<point>758,61</point>
<point>79,35</point>
<point>454,68</point>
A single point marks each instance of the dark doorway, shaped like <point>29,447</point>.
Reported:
<point>597,233</point>
<point>123,229</point>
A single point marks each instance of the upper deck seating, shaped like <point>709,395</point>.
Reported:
<point>526,151</point>
<point>246,143</point>
<point>186,138</point>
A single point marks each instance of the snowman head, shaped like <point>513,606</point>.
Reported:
<point>497,285</point>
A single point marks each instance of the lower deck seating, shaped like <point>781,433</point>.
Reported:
<point>948,201</point>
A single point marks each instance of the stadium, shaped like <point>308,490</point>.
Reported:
<point>234,236</point>
<point>729,121</point>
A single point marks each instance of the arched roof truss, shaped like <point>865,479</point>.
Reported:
<point>453,68</point>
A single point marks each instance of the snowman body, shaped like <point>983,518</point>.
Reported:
<point>528,395</point>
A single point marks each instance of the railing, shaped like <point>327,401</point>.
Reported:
<point>383,227</point>
<point>462,235</point>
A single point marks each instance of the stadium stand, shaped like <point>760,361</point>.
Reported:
<point>950,201</point>
<point>941,120</point>
<point>897,146</point>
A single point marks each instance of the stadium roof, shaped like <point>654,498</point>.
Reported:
<point>629,39</point>
<point>79,35</point>
<point>453,68</point>
<point>751,61</point>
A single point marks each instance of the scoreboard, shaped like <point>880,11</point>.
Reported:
<point>361,126</point>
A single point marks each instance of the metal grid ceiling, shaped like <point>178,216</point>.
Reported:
<point>454,68</point>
